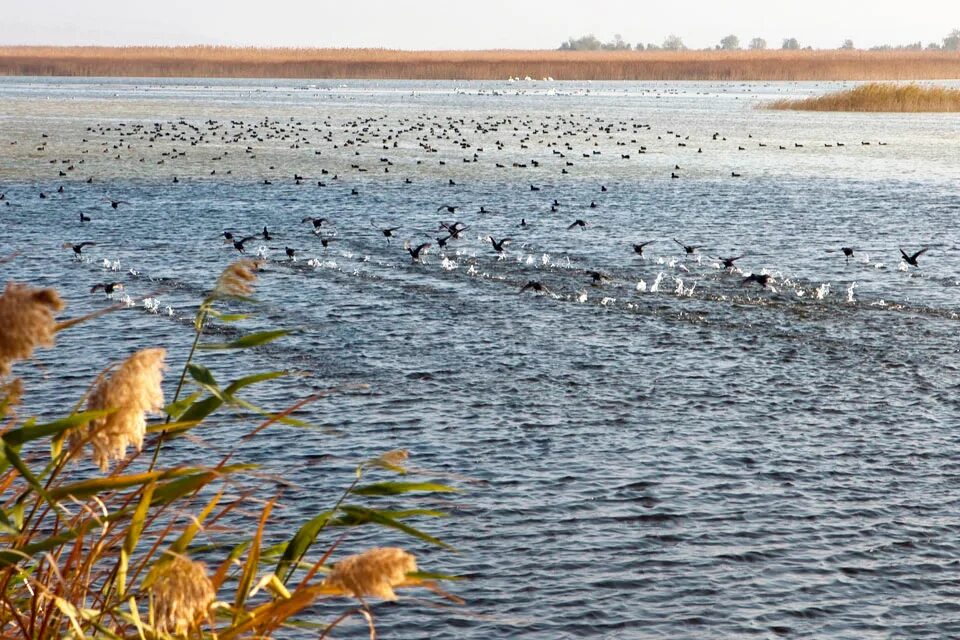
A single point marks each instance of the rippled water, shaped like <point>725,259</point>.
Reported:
<point>671,453</point>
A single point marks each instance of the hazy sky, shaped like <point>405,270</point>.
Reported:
<point>490,24</point>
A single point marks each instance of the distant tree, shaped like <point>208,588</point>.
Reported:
<point>617,44</point>
<point>639,47</point>
<point>847,44</point>
<point>952,41</point>
<point>584,43</point>
<point>730,42</point>
<point>758,44</point>
<point>933,46</point>
<point>673,43</point>
<point>652,46</point>
<point>790,43</point>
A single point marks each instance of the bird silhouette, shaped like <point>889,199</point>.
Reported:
<point>317,222</point>
<point>689,248</point>
<point>912,259</point>
<point>415,252</point>
<point>238,244</point>
<point>638,247</point>
<point>108,287</point>
<point>577,223</point>
<point>762,279</point>
<point>115,203</point>
<point>77,247</point>
<point>84,218</point>
<point>499,246</point>
<point>728,263</point>
<point>533,285</point>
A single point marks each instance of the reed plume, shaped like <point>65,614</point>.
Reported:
<point>182,594</point>
<point>131,391</point>
<point>26,322</point>
<point>238,279</point>
<point>374,572</point>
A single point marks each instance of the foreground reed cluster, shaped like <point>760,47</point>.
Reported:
<point>114,549</point>
<point>880,97</point>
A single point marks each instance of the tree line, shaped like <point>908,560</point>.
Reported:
<point>732,43</point>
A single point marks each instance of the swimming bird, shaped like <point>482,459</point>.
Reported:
<point>115,203</point>
<point>598,278</point>
<point>577,223</point>
<point>266,234</point>
<point>638,247</point>
<point>291,253</point>
<point>78,247</point>
<point>538,287</point>
<point>415,252</point>
<point>763,279</point>
<point>499,246</point>
<point>325,240</point>
<point>912,260</point>
<point>690,249</point>
<point>84,218</point>
<point>108,287</point>
<point>317,222</point>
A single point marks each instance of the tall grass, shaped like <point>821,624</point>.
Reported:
<point>879,97</point>
<point>134,546</point>
<point>206,61</point>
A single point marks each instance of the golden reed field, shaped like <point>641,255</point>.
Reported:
<point>875,96</point>
<point>205,61</point>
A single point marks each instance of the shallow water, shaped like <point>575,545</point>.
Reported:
<point>668,454</point>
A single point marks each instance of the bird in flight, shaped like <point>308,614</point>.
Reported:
<point>78,247</point>
<point>416,252</point>
<point>108,287</point>
<point>912,259</point>
<point>689,248</point>
<point>638,247</point>
<point>499,246</point>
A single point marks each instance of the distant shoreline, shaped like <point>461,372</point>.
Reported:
<point>384,64</point>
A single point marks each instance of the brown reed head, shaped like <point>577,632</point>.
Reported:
<point>374,572</point>
<point>181,594</point>
<point>26,322</point>
<point>238,279</point>
<point>130,391</point>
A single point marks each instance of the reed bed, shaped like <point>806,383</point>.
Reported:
<point>206,61</point>
<point>100,536</point>
<point>879,97</point>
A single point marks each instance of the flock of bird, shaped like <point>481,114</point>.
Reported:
<point>568,139</point>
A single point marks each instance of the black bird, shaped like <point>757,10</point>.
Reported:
<point>912,260</point>
<point>317,222</point>
<point>176,179</point>
<point>238,244</point>
<point>449,208</point>
<point>728,262</point>
<point>847,251</point>
<point>534,188</point>
<point>593,205</point>
<point>762,279</point>
<point>326,240</point>
<point>290,252</point>
<point>533,285</point>
<point>228,235</point>
<point>577,223</point>
<point>115,203</point>
<point>523,222</point>
<point>454,229</point>
<point>598,278</point>
<point>108,287</point>
<point>416,251</point>
<point>387,233</point>
<point>84,218</point>
<point>78,247</point>
<point>266,234</point>
<point>603,187</point>
<point>638,248</point>
<point>499,246</point>
<point>690,249</point>
<point>442,242</point>
<point>483,209</point>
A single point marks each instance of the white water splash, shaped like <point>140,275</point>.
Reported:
<point>545,259</point>
<point>134,273</point>
<point>607,301</point>
<point>850,289</point>
<point>684,292</point>
<point>447,264</point>
<point>529,261</point>
<point>472,270</point>
<point>902,266</point>
<point>656,283</point>
<point>822,291</point>
<point>151,304</point>
<point>581,296</point>
<point>641,286</point>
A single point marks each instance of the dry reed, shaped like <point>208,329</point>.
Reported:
<point>207,61</point>
<point>879,97</point>
<point>27,322</point>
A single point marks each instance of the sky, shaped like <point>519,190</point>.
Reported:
<point>453,24</point>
